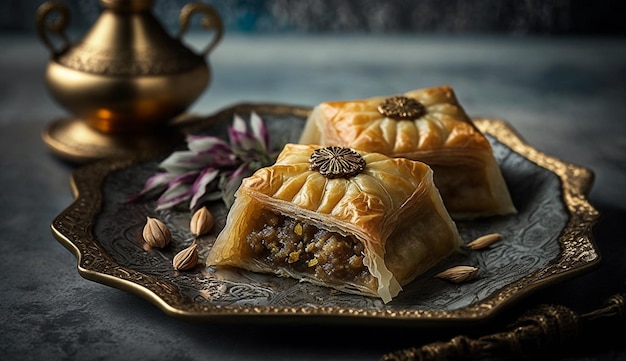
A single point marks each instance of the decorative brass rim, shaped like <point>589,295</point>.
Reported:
<point>73,229</point>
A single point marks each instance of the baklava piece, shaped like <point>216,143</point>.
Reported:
<point>358,222</point>
<point>427,125</point>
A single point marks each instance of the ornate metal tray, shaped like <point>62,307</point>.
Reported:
<point>549,240</point>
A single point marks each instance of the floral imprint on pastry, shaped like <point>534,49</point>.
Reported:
<point>336,162</point>
<point>400,107</point>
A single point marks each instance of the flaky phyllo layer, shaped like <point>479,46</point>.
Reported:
<point>428,125</point>
<point>368,233</point>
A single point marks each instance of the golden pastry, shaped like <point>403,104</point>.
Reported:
<point>428,125</point>
<point>357,222</point>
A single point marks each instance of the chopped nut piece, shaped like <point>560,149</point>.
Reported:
<point>298,229</point>
<point>186,259</point>
<point>484,241</point>
<point>327,255</point>
<point>459,274</point>
<point>201,222</point>
<point>293,257</point>
<point>155,233</point>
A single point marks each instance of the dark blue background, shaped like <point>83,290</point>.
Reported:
<point>551,17</point>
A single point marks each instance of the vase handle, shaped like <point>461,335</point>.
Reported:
<point>211,20</point>
<point>56,26</point>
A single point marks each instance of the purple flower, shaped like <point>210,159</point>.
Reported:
<point>211,168</point>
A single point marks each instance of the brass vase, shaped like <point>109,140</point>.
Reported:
<point>125,80</point>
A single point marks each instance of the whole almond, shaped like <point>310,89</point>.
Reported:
<point>155,233</point>
<point>484,241</point>
<point>201,222</point>
<point>186,259</point>
<point>459,274</point>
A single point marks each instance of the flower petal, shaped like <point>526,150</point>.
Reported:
<point>178,191</point>
<point>246,142</point>
<point>213,195</point>
<point>202,143</point>
<point>173,196</point>
<point>235,130</point>
<point>221,155</point>
<point>239,124</point>
<point>180,162</point>
<point>200,186</point>
<point>259,130</point>
<point>230,182</point>
<point>155,184</point>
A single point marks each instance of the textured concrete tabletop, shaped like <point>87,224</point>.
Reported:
<point>565,96</point>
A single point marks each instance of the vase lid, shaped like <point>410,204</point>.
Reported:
<point>127,40</point>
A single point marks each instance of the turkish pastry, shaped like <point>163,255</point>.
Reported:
<point>428,125</point>
<point>358,222</point>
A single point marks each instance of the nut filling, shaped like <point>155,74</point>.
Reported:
<point>285,242</point>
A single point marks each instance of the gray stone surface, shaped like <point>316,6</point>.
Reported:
<point>564,96</point>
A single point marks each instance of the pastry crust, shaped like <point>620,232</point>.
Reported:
<point>392,209</point>
<point>443,136</point>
